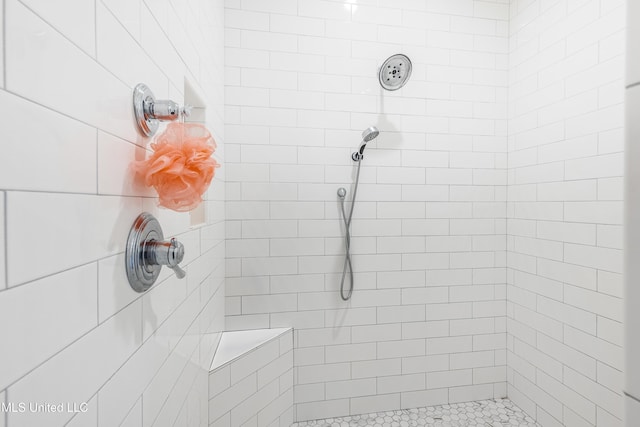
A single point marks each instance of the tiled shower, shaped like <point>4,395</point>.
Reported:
<point>487,236</point>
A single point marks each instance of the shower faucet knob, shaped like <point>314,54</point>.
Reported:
<point>164,110</point>
<point>169,253</point>
<point>149,111</point>
<point>175,256</point>
<point>147,252</point>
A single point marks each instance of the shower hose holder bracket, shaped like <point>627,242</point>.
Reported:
<point>147,252</point>
<point>149,111</point>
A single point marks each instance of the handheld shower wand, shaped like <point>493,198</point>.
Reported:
<point>368,135</point>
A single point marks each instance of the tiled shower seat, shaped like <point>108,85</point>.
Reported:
<point>251,379</point>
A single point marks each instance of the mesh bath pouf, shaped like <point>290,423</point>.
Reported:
<point>181,167</point>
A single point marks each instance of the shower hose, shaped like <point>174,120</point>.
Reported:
<point>347,240</point>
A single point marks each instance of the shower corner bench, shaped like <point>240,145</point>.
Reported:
<point>251,379</point>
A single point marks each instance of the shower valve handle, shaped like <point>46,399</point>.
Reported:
<point>169,253</point>
<point>147,251</point>
<point>166,110</point>
<point>149,111</point>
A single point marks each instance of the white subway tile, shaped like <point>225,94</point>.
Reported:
<point>25,56</point>
<point>244,210</point>
<point>567,232</point>
<point>401,314</point>
<point>246,20</point>
<point>610,189</point>
<point>594,302</point>
<point>375,368</point>
<point>488,342</point>
<point>269,191</point>
<point>119,51</point>
<point>429,295</point>
<point>288,7</point>
<point>105,349</point>
<point>594,167</point>
<point>113,293</point>
<point>348,30</point>
<point>47,149</point>
<point>100,217</point>
<point>449,378</point>
<point>416,330</point>
<point>324,82</point>
<point>239,57</point>
<point>400,279</point>
<point>371,333</point>
<point>318,409</point>
<point>381,402</point>
<point>325,9</point>
<point>296,25</point>
<point>589,256</point>
<point>400,383</point>
<point>608,353</point>
<point>115,176</point>
<point>323,373</point>
<point>350,352</point>
<point>80,28</point>
<point>567,191</point>
<point>324,46</point>
<point>272,79</point>
<point>350,388</point>
<point>568,273</point>
<point>52,328</point>
<point>376,15</point>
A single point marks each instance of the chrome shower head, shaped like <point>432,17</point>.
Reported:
<point>368,135</point>
<point>395,72</point>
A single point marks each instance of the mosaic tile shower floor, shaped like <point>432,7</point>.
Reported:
<point>487,413</point>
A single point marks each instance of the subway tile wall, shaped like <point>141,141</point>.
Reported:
<point>427,321</point>
<point>72,329</point>
<point>256,388</point>
<point>564,215</point>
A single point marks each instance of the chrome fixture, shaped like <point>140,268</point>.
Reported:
<point>368,135</point>
<point>395,72</point>
<point>147,252</point>
<point>149,112</point>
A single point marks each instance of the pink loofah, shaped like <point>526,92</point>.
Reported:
<point>181,167</point>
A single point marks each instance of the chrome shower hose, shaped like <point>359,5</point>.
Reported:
<point>347,239</point>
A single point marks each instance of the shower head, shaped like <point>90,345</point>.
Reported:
<point>368,135</point>
<point>395,72</point>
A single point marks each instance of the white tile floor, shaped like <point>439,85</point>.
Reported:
<point>488,413</point>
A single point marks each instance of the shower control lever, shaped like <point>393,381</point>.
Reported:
<point>149,111</point>
<point>169,253</point>
<point>147,252</point>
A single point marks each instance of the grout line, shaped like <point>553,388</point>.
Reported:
<point>631,397</point>
<point>632,85</point>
